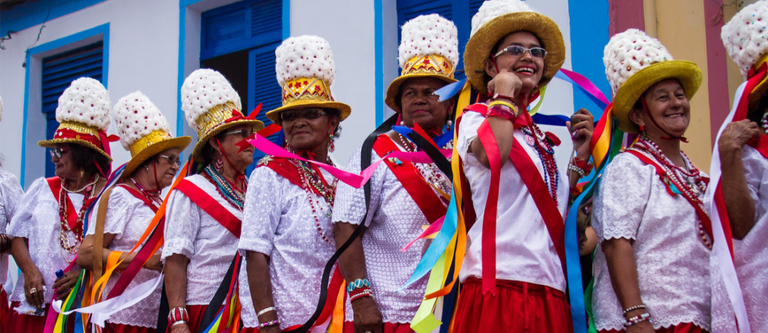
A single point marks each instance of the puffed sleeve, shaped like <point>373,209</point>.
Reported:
<point>10,196</point>
<point>21,223</point>
<point>754,171</point>
<point>119,212</point>
<point>182,223</point>
<point>470,123</point>
<point>621,198</point>
<point>262,210</point>
<point>349,204</point>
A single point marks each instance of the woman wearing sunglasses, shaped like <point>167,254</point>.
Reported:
<point>203,213</point>
<point>10,195</point>
<point>123,214</point>
<point>514,281</point>
<point>48,224</point>
<point>652,265</point>
<point>287,231</point>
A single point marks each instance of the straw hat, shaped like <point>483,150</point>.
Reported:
<point>744,36</point>
<point>305,70</point>
<point>498,18</point>
<point>83,116</point>
<point>429,47</point>
<point>143,130</point>
<point>634,62</point>
<point>211,105</point>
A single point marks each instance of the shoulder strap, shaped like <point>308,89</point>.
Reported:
<point>98,236</point>
<point>210,206</point>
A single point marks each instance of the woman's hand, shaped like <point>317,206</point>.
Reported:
<point>181,328</point>
<point>154,263</point>
<point>736,135</point>
<point>643,327</point>
<point>33,281</point>
<point>62,286</point>
<point>581,133</point>
<point>505,84</point>
<point>367,316</point>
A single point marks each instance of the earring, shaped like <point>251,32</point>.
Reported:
<point>218,164</point>
<point>331,147</point>
<point>642,129</point>
<point>402,123</point>
<point>449,123</point>
<point>82,173</point>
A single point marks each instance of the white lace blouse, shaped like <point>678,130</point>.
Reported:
<point>127,218</point>
<point>37,220</point>
<point>10,195</point>
<point>394,220</point>
<point>751,256</point>
<point>279,223</point>
<point>672,261</point>
<point>210,247</point>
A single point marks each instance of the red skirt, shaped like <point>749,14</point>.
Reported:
<point>120,328</point>
<point>349,327</point>
<point>30,324</point>
<point>682,328</point>
<point>516,307</point>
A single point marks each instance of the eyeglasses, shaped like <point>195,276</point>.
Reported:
<point>170,159</point>
<point>58,152</point>
<point>517,50</point>
<point>412,94</point>
<point>308,114</point>
<point>243,132</point>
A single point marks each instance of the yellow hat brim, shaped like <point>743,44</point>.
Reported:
<point>344,109</point>
<point>394,87</point>
<point>54,142</point>
<point>197,151</point>
<point>631,90</point>
<point>481,45</point>
<point>152,150</point>
<point>757,94</point>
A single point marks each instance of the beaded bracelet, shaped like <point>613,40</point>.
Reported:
<point>177,314</point>
<point>179,323</point>
<point>578,170</point>
<point>357,284</point>
<point>360,293</point>
<point>270,323</point>
<point>633,308</point>
<point>638,319</point>
<point>271,308</point>
<point>583,165</point>
<point>507,104</point>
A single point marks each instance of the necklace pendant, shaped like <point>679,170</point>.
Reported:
<point>530,140</point>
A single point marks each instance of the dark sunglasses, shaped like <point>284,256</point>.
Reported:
<point>58,152</point>
<point>309,114</point>
<point>244,132</point>
<point>517,50</point>
<point>170,159</point>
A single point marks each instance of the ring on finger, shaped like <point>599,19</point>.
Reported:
<point>33,290</point>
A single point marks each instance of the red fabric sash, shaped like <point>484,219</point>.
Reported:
<point>210,206</point>
<point>139,196</point>
<point>705,221</point>
<point>55,184</point>
<point>289,171</point>
<point>533,181</point>
<point>412,180</point>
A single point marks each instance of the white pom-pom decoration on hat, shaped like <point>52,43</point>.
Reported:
<point>745,36</point>
<point>305,71</point>
<point>497,19</point>
<point>429,47</point>
<point>628,52</point>
<point>429,35</point>
<point>86,101</point>
<point>136,117</point>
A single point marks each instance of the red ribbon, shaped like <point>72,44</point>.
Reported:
<point>236,115</point>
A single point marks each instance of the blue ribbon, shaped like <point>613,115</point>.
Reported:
<point>597,101</point>
<point>450,90</point>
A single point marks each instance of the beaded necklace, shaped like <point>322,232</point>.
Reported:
<point>547,155</point>
<point>311,179</point>
<point>224,188</point>
<point>429,171</point>
<point>691,184</point>
<point>63,213</point>
<point>154,199</point>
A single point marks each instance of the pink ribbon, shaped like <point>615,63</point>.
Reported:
<point>351,179</point>
<point>433,228</point>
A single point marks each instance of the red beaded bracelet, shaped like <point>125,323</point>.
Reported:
<point>360,293</point>
<point>177,314</point>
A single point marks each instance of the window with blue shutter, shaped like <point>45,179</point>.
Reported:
<point>58,72</point>
<point>239,40</point>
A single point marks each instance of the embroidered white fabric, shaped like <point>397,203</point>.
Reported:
<point>127,218</point>
<point>10,195</point>
<point>210,247</point>
<point>394,220</point>
<point>524,250</point>
<point>37,220</point>
<point>672,261</point>
<point>751,256</point>
<point>279,223</point>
